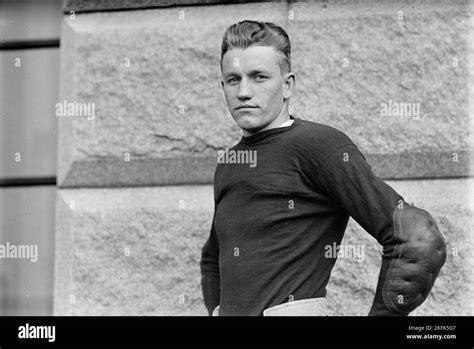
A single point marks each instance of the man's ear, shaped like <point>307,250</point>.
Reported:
<point>289,80</point>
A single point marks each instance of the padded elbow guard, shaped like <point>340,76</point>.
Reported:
<point>411,263</point>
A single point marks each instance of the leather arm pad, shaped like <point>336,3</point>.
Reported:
<point>411,263</point>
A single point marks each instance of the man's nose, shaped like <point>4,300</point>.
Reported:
<point>244,90</point>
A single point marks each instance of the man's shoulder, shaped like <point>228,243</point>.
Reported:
<point>321,136</point>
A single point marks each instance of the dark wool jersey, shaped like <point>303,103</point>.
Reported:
<point>273,219</point>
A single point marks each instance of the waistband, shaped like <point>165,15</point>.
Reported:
<point>303,307</point>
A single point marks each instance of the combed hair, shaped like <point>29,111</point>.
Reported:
<point>252,33</point>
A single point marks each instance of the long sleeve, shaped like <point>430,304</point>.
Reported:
<point>349,181</point>
<point>413,248</point>
<point>210,278</point>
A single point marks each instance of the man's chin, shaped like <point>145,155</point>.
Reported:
<point>251,126</point>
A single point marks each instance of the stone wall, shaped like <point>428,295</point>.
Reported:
<point>134,201</point>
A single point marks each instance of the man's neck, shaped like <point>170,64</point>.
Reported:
<point>277,122</point>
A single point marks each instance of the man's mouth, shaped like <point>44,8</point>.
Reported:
<point>245,106</point>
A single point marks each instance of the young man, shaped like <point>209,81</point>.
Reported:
<point>274,218</point>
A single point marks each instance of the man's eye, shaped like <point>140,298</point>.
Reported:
<point>260,77</point>
<point>232,81</point>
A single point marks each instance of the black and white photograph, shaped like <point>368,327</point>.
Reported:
<point>304,164</point>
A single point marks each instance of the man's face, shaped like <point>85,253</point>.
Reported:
<point>253,86</point>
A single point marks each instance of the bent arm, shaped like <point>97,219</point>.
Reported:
<point>414,249</point>
<point>411,263</point>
